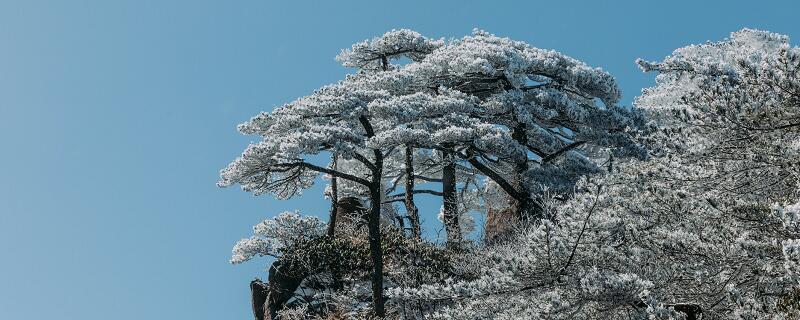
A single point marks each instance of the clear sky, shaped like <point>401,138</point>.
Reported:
<point>115,118</point>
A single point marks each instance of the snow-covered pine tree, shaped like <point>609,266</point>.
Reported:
<point>335,119</point>
<point>522,116</point>
<point>526,119</point>
<point>685,233</point>
<point>737,105</point>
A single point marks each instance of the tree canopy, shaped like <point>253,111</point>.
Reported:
<point>684,204</point>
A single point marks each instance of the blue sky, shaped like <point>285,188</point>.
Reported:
<point>115,118</point>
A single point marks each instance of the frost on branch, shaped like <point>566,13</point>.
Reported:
<point>368,55</point>
<point>735,102</point>
<point>272,236</point>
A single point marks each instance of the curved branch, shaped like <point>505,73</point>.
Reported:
<point>331,172</point>
<point>496,177</point>
<point>364,160</point>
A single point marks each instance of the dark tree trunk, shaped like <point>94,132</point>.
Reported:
<point>374,226</point>
<point>374,220</point>
<point>450,200</point>
<point>335,276</point>
<point>334,202</point>
<point>259,293</point>
<point>525,209</point>
<point>411,208</point>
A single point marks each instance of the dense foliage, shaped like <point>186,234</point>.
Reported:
<point>686,204</point>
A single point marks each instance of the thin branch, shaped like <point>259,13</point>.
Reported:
<point>429,179</point>
<point>563,150</point>
<point>433,192</point>
<point>331,172</point>
<point>580,235</point>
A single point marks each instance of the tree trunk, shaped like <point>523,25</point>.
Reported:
<point>373,224</point>
<point>335,275</point>
<point>524,206</point>
<point>374,219</point>
<point>411,208</point>
<point>334,202</point>
<point>449,200</point>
